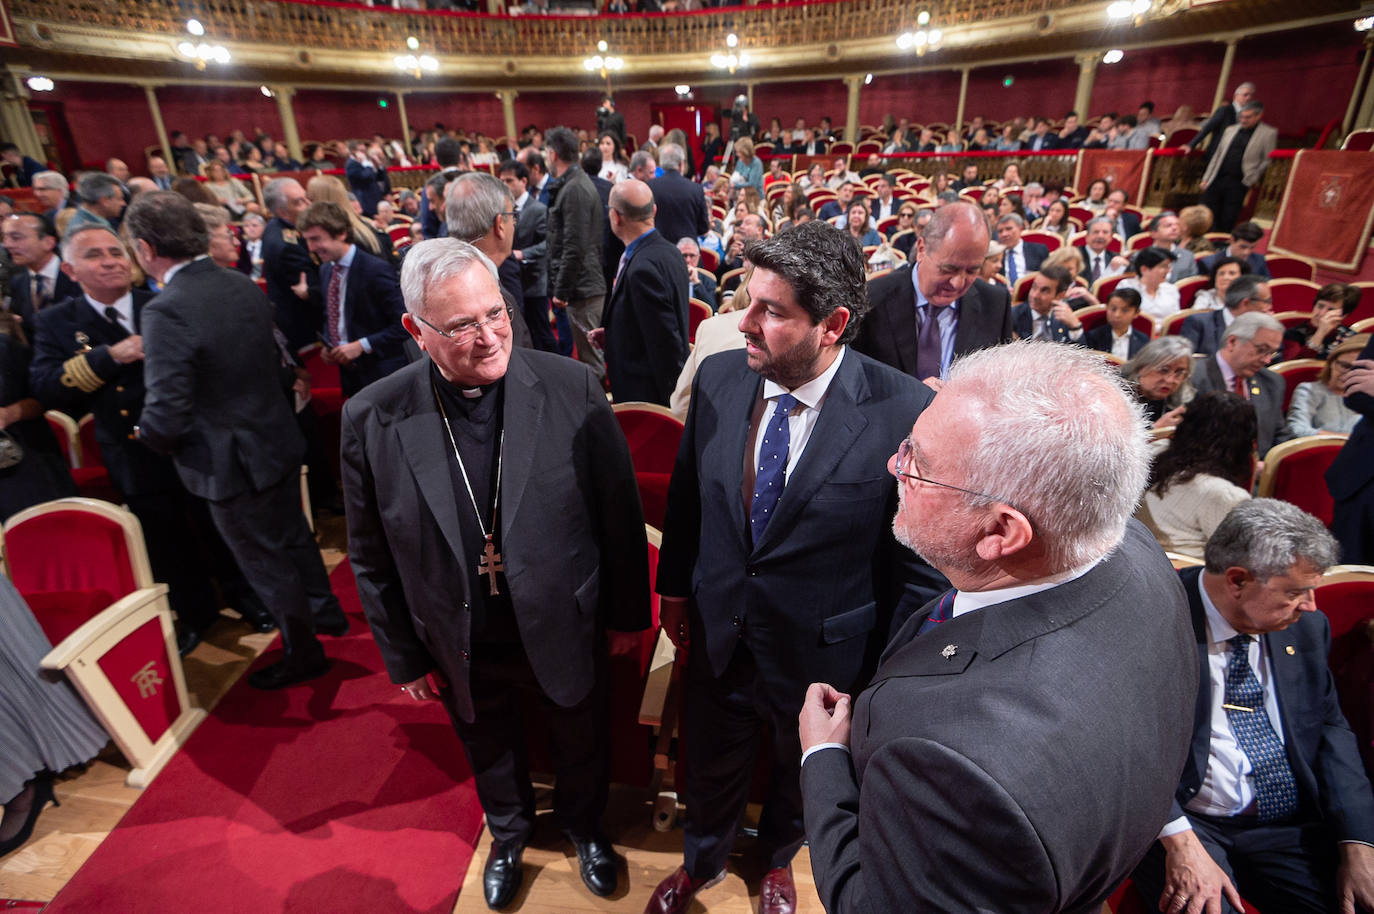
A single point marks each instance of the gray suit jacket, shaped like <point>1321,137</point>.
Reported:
<point>531,239</point>
<point>572,532</point>
<point>1020,758</point>
<point>214,394</point>
<point>1266,395</point>
<point>1256,159</point>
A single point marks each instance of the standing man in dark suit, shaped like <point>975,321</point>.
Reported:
<point>362,330</point>
<point>364,178</point>
<point>1240,161</point>
<point>701,285</point>
<point>968,313</point>
<point>1238,366</point>
<point>680,205</point>
<point>214,402</point>
<point>1045,315</point>
<point>1222,118</point>
<point>293,277</point>
<point>88,356</point>
<point>1207,332</point>
<point>778,565</point>
<point>38,280</point>
<point>1020,257</point>
<point>644,328</point>
<point>994,763</point>
<point>530,249</point>
<point>1350,478</point>
<point>495,531</point>
<point>1273,803</point>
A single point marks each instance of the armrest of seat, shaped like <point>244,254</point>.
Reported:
<point>113,616</point>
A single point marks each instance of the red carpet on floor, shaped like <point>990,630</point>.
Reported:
<point>334,796</point>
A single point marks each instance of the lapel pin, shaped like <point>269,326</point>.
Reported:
<point>1290,650</point>
<point>949,651</point>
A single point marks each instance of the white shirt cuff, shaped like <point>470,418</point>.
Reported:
<point>367,347</point>
<point>818,747</point>
<point>1076,335</point>
<point>1176,827</point>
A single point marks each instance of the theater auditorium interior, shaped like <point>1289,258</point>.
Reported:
<point>1231,141</point>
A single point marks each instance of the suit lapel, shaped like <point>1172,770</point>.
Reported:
<point>1200,750</point>
<point>524,414</point>
<point>737,409</point>
<point>352,293</point>
<point>903,329</point>
<point>426,447</point>
<point>839,424</point>
<point>1283,647</point>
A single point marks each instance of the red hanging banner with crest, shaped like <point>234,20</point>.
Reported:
<point>1327,209</point>
<point>1123,169</point>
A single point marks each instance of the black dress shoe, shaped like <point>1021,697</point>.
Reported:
<point>290,671</point>
<point>187,642</point>
<point>597,862</point>
<point>262,624</point>
<point>501,876</point>
<point>335,627</point>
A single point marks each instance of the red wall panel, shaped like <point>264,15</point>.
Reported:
<point>923,97</point>
<point>333,115</point>
<point>198,110</point>
<point>1303,77</point>
<point>107,119</point>
<point>812,100</point>
<point>1169,77</point>
<point>476,112</point>
<point>1039,89</point>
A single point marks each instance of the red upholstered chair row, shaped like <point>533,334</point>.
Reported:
<point>653,434</point>
<point>1295,471</point>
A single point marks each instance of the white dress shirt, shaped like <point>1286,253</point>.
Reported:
<point>340,332</point>
<point>800,422</point>
<point>124,305</point>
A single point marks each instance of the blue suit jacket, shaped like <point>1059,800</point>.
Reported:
<point>1023,322</point>
<point>1255,263</point>
<point>373,306</point>
<point>1321,749</point>
<point>1100,339</point>
<point>1205,331</point>
<point>1351,481</point>
<point>815,596</point>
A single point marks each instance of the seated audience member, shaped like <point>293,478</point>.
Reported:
<point>231,193</point>
<point>814,177</point>
<point>1196,222</point>
<point>857,225</point>
<point>1162,373</point>
<point>1223,272</point>
<point>1056,219</point>
<point>1207,331</point>
<point>844,195</point>
<point>1317,406</point>
<point>700,285</point>
<point>991,270</point>
<point>1315,339</point>
<point>1096,197</point>
<point>1022,257</point>
<point>1351,476</point>
<point>100,202</point>
<point>906,219</point>
<point>1045,314</point>
<point>884,204</point>
<point>1006,140</point>
<point>1011,177</point>
<point>1070,259</point>
<point>195,191</point>
<point>969,177</point>
<point>750,228</point>
<point>1273,803</point>
<point>1244,237</point>
<point>1033,201</point>
<point>24,167</point>
<point>1101,262</point>
<point>1118,335</point>
<point>386,215</point>
<point>1124,222</point>
<point>51,189</point>
<point>841,173</point>
<point>1251,340</point>
<point>1206,470</point>
<point>1158,297</point>
<point>1165,231</point>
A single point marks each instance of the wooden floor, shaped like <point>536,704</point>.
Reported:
<point>94,799</point>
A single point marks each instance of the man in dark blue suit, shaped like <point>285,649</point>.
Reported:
<point>1244,237</point>
<point>1045,315</point>
<point>1351,477</point>
<point>682,210</point>
<point>1124,222</point>
<point>778,564</point>
<point>32,244</point>
<point>364,178</point>
<point>1021,257</point>
<point>701,285</point>
<point>1118,334</point>
<point>362,331</point>
<point>1207,332</point>
<point>1273,803</point>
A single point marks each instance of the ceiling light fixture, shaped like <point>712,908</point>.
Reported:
<point>39,83</point>
<point>1113,56</point>
<point>194,27</point>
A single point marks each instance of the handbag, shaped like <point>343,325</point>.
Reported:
<point>10,451</point>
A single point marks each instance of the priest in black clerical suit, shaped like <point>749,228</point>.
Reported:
<point>495,531</point>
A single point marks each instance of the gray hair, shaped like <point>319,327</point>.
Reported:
<point>671,157</point>
<point>1012,217</point>
<point>1102,219</point>
<point>214,216</point>
<point>472,201</point>
<point>1241,289</point>
<point>1253,105</point>
<point>1251,322</point>
<point>54,180</point>
<point>688,240</point>
<point>1155,356</point>
<point>70,238</point>
<point>274,194</point>
<point>1035,186</point>
<point>98,186</point>
<point>640,159</point>
<point>1267,537</point>
<point>1061,437</point>
<point>430,263</point>
<point>252,217</point>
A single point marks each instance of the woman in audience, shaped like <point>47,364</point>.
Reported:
<point>1207,469</point>
<point>1011,177</point>
<point>1096,199</point>
<point>195,191</point>
<point>250,160</point>
<point>1056,218</point>
<point>856,224</point>
<point>1318,406</point>
<point>44,726</point>
<point>906,218</point>
<point>1324,331</point>
<point>32,468</point>
<point>1161,374</point>
<point>748,171</point>
<point>614,165</point>
<point>1010,204</point>
<point>1158,296</point>
<point>939,184</point>
<point>679,139</point>
<point>712,145</point>
<point>230,193</point>
<point>1225,271</point>
<point>979,141</point>
<point>991,270</point>
<point>485,155</point>
<point>1196,222</point>
<point>787,202</point>
<point>329,189</point>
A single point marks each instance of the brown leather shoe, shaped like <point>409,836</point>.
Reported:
<point>777,893</point>
<point>674,894</point>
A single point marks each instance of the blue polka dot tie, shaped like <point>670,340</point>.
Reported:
<point>1276,792</point>
<point>772,468</point>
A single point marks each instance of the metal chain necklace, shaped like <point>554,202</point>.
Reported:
<point>489,562</point>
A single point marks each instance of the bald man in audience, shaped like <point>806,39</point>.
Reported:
<point>1273,803</point>
<point>996,762</point>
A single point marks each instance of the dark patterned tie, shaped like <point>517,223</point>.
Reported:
<point>333,303</point>
<point>772,468</point>
<point>1276,792</point>
<point>929,348</point>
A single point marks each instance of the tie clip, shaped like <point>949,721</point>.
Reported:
<point>1238,708</point>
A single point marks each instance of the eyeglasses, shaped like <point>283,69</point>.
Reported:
<point>467,331</point>
<point>1343,365</point>
<point>904,452</point>
<point>1264,351</point>
<point>1176,374</point>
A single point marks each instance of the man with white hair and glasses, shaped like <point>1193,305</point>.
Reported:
<point>495,532</point>
<point>1017,748</point>
<point>1238,367</point>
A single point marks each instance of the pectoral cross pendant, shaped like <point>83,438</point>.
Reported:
<point>489,564</point>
